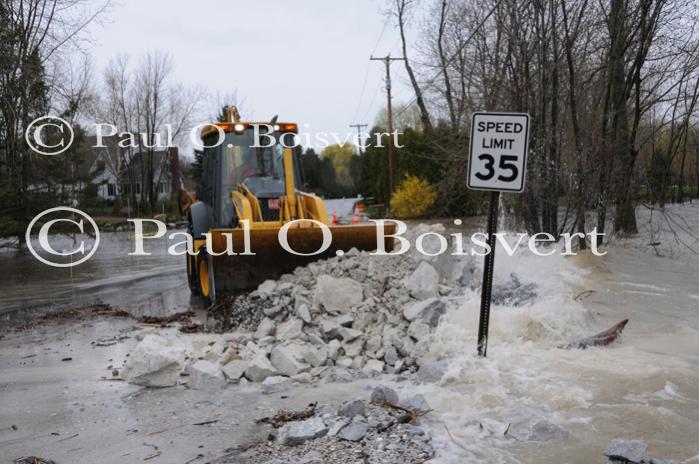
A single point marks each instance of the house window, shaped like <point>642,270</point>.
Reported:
<point>111,190</point>
<point>126,188</point>
<point>138,188</point>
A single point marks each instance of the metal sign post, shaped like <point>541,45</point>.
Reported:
<point>497,162</point>
<point>488,268</point>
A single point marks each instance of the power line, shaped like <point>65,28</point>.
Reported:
<point>383,29</point>
<point>371,102</point>
<point>366,74</point>
<point>361,95</point>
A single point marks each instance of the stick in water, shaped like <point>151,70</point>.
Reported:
<point>601,339</point>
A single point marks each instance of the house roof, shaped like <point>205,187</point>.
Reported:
<point>139,160</point>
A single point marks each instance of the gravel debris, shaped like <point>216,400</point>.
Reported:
<point>376,437</point>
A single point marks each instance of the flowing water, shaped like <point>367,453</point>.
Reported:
<point>646,386</point>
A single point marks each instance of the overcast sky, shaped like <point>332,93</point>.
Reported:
<point>306,60</point>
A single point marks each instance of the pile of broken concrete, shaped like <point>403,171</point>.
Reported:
<point>383,430</point>
<point>356,315</point>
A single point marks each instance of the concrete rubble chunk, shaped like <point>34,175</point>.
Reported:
<point>391,356</point>
<point>358,362</point>
<point>413,310</point>
<point>228,356</point>
<point>432,372</point>
<point>513,292</point>
<point>349,335</point>
<point>313,355</point>
<point>314,338</point>
<point>312,457</point>
<point>333,349</point>
<point>384,394</point>
<point>527,424</point>
<point>216,352</point>
<point>336,424</point>
<point>303,377</point>
<point>344,362</point>
<point>338,295</point>
<point>272,310</point>
<point>153,364</point>
<point>373,367</point>
<point>284,288</point>
<point>250,351</point>
<point>234,370</point>
<point>341,375</point>
<point>290,330</point>
<point>288,358</point>
<point>266,288</point>
<point>353,348</point>
<point>265,328</point>
<point>373,344</point>
<point>626,450</point>
<point>352,408</point>
<point>298,432</point>
<point>260,368</point>
<point>275,384</point>
<point>345,320</point>
<point>330,328</point>
<point>416,403</point>
<point>353,432</point>
<point>304,313</point>
<point>423,283</point>
<point>206,375</point>
<point>428,311</point>
<point>419,330</point>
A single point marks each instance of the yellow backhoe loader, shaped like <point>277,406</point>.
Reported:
<point>249,189</point>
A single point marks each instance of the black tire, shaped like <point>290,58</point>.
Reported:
<point>192,276</point>
<point>205,281</point>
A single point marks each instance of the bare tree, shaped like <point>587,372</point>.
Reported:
<point>401,13</point>
<point>145,104</point>
<point>32,35</point>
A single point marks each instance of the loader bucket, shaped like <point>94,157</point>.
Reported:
<point>271,260</point>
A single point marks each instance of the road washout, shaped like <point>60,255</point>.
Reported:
<point>528,401</point>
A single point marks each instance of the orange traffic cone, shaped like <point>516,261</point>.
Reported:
<point>355,218</point>
<point>334,218</point>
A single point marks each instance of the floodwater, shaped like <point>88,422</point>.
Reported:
<point>645,387</point>
<point>154,285</point>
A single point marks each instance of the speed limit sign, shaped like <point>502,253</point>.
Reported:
<point>498,156</point>
<point>497,162</point>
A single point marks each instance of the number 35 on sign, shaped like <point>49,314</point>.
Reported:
<point>498,156</point>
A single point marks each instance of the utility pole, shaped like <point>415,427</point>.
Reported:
<point>389,114</point>
<point>359,136</point>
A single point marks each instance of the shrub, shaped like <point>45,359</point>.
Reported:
<point>413,198</point>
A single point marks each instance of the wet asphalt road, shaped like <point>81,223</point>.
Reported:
<point>71,412</point>
<point>142,285</point>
